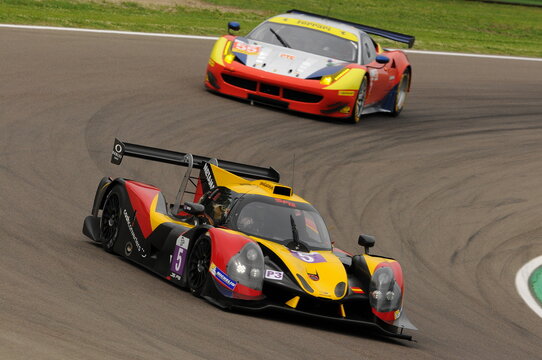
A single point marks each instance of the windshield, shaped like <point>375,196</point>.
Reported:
<point>305,39</point>
<point>269,218</point>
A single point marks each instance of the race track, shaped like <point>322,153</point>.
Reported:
<point>452,189</point>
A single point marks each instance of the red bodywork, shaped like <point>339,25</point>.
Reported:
<point>141,197</point>
<point>389,316</point>
<point>224,244</point>
<point>241,81</point>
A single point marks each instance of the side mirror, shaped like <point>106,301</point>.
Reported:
<point>367,241</point>
<point>381,59</point>
<point>193,208</point>
<point>233,26</point>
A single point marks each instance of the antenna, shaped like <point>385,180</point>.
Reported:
<point>293,173</point>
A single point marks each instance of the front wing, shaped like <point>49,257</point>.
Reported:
<point>214,294</point>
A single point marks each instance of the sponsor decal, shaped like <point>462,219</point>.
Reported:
<point>244,48</point>
<point>287,56</point>
<point>222,277</point>
<point>392,77</point>
<point>289,203</point>
<point>118,151</point>
<point>264,184</point>
<point>173,276</point>
<point>274,275</point>
<point>208,176</point>
<point>178,259</point>
<point>132,233</point>
<point>309,257</point>
<point>396,314</point>
<point>314,25</point>
<point>346,93</point>
<point>357,290</point>
<point>373,74</point>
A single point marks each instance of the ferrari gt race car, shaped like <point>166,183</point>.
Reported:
<point>244,241</point>
<point>313,64</point>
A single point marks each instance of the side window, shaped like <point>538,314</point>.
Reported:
<point>369,51</point>
<point>217,204</point>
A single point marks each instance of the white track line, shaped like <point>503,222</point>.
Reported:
<point>30,27</point>
<point>108,32</point>
<point>472,55</point>
<point>522,284</point>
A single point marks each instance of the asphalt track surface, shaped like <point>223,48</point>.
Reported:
<point>452,189</point>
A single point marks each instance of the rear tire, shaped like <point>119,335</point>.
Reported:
<point>110,220</point>
<point>198,265</point>
<point>400,95</point>
<point>360,101</point>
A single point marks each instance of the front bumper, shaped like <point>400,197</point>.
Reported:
<point>214,294</point>
<point>307,96</point>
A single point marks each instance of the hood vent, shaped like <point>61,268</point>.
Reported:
<point>282,190</point>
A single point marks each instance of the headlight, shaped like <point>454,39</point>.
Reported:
<point>228,55</point>
<point>385,293</point>
<point>247,266</point>
<point>329,79</point>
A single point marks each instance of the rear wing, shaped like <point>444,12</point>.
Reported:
<point>121,149</point>
<point>395,36</point>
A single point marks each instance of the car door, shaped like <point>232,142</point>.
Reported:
<point>378,73</point>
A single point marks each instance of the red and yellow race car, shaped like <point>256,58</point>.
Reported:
<point>313,64</point>
<point>244,244</point>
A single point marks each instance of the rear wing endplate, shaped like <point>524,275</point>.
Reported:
<point>395,36</point>
<point>121,149</point>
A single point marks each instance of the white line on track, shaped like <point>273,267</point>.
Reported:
<point>522,284</point>
<point>108,32</point>
<point>214,38</point>
<point>472,55</point>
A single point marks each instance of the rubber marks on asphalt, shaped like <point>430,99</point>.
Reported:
<point>529,284</point>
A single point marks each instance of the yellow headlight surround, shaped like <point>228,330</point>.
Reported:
<point>229,58</point>
<point>228,54</point>
<point>330,79</point>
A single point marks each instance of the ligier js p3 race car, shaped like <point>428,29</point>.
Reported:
<point>244,244</point>
<point>313,64</point>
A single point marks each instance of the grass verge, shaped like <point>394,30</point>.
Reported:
<point>444,25</point>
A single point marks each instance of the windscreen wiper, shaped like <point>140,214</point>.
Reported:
<point>282,41</point>
<point>296,244</point>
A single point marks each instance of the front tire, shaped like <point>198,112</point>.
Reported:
<point>400,95</point>
<point>110,221</point>
<point>198,265</point>
<point>360,101</point>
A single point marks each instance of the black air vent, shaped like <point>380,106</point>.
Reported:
<point>240,82</point>
<point>282,190</point>
<point>269,89</point>
<point>300,96</point>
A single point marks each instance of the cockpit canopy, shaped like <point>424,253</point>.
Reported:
<point>268,218</point>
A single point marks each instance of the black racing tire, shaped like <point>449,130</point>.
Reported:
<point>402,91</point>
<point>198,265</point>
<point>110,220</point>
<point>359,105</point>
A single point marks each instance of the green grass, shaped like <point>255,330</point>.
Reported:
<point>124,16</point>
<point>444,25</point>
<point>535,283</point>
<point>520,2</point>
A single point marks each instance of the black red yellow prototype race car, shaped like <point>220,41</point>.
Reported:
<point>313,64</point>
<point>244,244</point>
